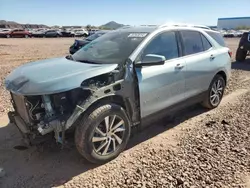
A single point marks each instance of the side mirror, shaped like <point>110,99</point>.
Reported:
<point>152,59</point>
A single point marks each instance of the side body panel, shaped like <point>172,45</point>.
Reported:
<point>160,86</point>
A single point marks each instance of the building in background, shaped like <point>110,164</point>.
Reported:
<point>234,23</point>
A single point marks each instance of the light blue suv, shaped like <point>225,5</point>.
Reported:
<point>127,77</point>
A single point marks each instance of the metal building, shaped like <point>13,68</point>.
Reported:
<point>232,23</point>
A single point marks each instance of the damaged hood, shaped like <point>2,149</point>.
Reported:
<point>52,76</point>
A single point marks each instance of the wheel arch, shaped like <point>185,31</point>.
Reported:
<point>223,74</point>
<point>86,109</point>
<point>116,99</point>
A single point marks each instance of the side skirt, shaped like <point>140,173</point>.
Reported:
<point>171,110</point>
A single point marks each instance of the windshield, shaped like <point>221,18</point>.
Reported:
<point>111,48</point>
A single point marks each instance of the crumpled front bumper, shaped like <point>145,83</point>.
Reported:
<point>29,138</point>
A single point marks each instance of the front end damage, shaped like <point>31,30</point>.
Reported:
<point>36,116</point>
<point>41,115</point>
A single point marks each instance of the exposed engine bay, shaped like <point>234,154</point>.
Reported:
<point>36,116</point>
<point>46,113</point>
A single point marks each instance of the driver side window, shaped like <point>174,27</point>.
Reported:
<point>164,44</point>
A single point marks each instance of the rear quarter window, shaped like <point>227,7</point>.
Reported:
<point>217,37</point>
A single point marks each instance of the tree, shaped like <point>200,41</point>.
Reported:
<point>243,28</point>
<point>88,27</point>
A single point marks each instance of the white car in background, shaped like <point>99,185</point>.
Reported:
<point>80,33</point>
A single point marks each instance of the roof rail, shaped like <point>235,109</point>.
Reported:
<point>184,25</point>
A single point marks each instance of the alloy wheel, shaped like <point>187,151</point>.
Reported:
<point>108,135</point>
<point>216,92</point>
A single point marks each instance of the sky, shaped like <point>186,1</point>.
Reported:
<point>131,12</point>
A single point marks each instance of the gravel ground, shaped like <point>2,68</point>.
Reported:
<point>212,152</point>
<point>198,149</point>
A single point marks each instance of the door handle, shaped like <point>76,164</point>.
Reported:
<point>212,57</point>
<point>179,66</point>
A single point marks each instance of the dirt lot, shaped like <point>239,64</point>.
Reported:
<point>199,149</point>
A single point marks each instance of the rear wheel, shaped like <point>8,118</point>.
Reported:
<point>26,36</point>
<point>215,92</point>
<point>7,36</point>
<point>103,134</point>
<point>240,55</point>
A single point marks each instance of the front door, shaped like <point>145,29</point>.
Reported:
<point>161,86</point>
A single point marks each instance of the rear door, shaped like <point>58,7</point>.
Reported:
<point>200,61</point>
<point>161,86</point>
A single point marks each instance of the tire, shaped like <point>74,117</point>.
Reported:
<point>85,35</point>
<point>86,133</point>
<point>240,55</point>
<point>8,36</point>
<point>211,102</point>
<point>26,36</point>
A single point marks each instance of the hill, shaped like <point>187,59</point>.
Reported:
<point>111,25</point>
<point>11,24</point>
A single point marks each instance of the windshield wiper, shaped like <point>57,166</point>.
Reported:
<point>70,57</point>
<point>87,61</point>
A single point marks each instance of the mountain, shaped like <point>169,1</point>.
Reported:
<point>111,25</point>
<point>11,24</point>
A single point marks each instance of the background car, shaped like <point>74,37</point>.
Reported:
<point>67,33</point>
<point>4,32</point>
<point>16,33</point>
<point>93,31</point>
<point>80,43</point>
<point>244,47</point>
<point>80,33</point>
<point>49,33</point>
<point>38,33</point>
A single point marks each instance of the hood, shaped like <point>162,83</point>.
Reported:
<point>52,76</point>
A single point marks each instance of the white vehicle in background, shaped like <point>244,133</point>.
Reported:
<point>80,33</point>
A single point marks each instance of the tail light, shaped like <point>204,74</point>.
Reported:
<point>230,53</point>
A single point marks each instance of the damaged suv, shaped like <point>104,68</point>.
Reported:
<point>128,77</point>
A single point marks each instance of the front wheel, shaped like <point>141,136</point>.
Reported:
<point>103,133</point>
<point>215,92</point>
<point>240,55</point>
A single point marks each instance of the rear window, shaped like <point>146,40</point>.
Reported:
<point>192,42</point>
<point>218,37</point>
